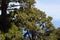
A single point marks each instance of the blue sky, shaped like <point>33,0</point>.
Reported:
<point>51,8</point>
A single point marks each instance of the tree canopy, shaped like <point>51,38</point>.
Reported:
<point>28,18</point>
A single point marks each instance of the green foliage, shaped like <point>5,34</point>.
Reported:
<point>28,18</point>
<point>57,33</point>
<point>14,32</point>
<point>30,1</point>
<point>2,36</point>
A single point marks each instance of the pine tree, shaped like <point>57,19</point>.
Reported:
<point>33,20</point>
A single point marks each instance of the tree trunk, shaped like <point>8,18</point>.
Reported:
<point>3,18</point>
<point>4,7</point>
<point>33,35</point>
